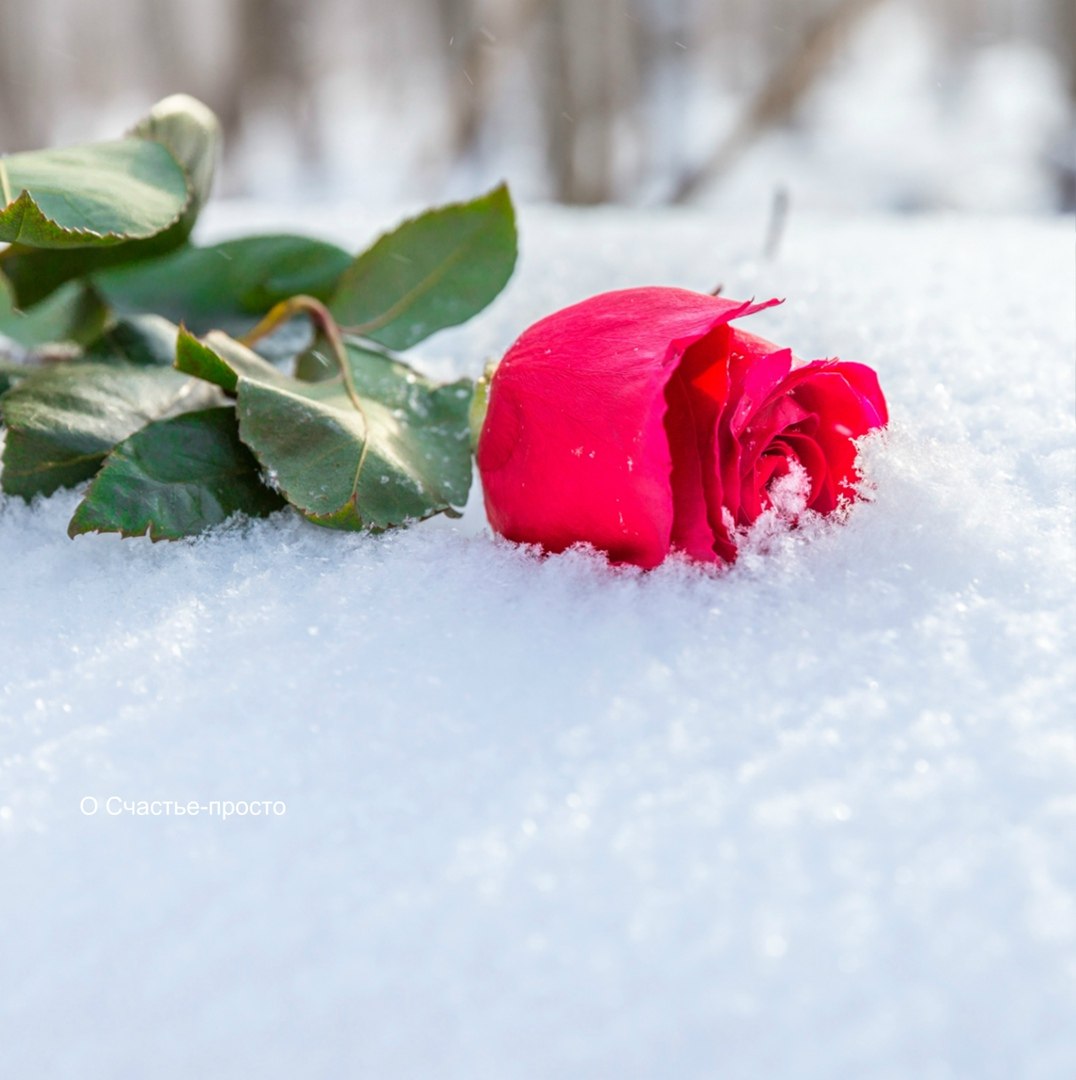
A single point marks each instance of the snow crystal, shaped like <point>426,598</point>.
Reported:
<point>812,816</point>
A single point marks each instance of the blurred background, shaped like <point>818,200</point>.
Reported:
<point>845,104</point>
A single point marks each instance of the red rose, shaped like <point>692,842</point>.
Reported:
<point>640,422</point>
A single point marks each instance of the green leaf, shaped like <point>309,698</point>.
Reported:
<point>75,313</point>
<point>147,340</point>
<point>176,478</point>
<point>229,285</point>
<point>12,373</point>
<point>476,414</point>
<point>221,360</point>
<point>62,420</point>
<point>434,271</point>
<point>378,448</point>
<point>90,195</point>
<point>180,131</point>
<point>7,297</point>
<point>190,132</point>
<point>315,363</point>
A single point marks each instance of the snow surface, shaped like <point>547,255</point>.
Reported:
<point>814,817</point>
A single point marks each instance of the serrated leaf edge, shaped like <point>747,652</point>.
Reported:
<point>29,204</point>
<point>392,313</point>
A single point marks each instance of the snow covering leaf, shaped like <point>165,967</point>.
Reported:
<point>228,285</point>
<point>175,478</point>
<point>434,271</point>
<point>62,420</point>
<point>374,447</point>
<point>146,190</point>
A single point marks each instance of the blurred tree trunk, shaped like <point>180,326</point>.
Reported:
<point>778,97</point>
<point>271,73</point>
<point>1065,12</point>
<point>158,30</point>
<point>1065,15</point>
<point>476,33</point>
<point>591,77</point>
<point>468,82</point>
<point>23,114</point>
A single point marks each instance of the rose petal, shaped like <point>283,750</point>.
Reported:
<point>756,385</point>
<point>844,413</point>
<point>870,410</point>
<point>822,496</point>
<point>574,446</point>
<point>779,414</point>
<point>756,368</point>
<point>864,381</point>
<point>695,394</point>
<point>755,496</point>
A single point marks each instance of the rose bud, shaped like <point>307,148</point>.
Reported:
<point>641,422</point>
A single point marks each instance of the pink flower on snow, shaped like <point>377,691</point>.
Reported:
<point>641,422</point>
